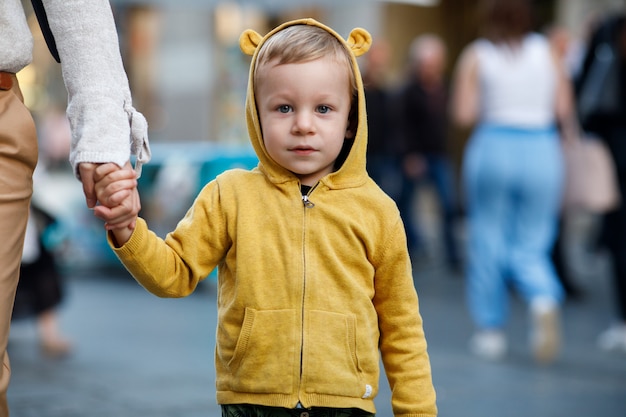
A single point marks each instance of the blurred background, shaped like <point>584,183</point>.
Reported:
<point>188,77</point>
<point>138,355</point>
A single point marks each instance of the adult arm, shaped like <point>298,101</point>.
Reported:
<point>105,126</point>
<point>465,94</point>
<point>564,104</point>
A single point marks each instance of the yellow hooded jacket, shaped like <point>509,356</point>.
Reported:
<point>307,295</point>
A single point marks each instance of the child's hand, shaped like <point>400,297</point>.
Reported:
<point>116,190</point>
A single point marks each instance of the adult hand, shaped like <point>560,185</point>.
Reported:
<point>116,190</point>
<point>86,171</point>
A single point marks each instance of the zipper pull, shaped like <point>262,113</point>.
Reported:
<point>307,203</point>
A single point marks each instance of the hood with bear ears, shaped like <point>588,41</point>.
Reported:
<point>352,173</point>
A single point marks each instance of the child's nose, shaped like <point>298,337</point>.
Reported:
<point>303,123</point>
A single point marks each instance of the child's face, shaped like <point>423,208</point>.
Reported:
<point>304,109</point>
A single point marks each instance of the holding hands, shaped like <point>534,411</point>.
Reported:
<point>116,190</point>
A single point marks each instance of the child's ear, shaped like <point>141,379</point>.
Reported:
<point>351,131</point>
<point>352,125</point>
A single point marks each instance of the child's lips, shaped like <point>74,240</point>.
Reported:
<point>303,150</point>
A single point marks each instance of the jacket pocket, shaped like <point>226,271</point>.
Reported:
<point>330,363</point>
<point>264,357</point>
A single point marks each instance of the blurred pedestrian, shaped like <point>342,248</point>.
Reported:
<point>601,96</point>
<point>561,41</point>
<point>315,281</point>
<point>382,143</point>
<point>40,289</point>
<point>424,129</point>
<point>511,88</point>
<point>83,34</point>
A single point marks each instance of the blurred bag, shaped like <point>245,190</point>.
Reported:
<point>591,181</point>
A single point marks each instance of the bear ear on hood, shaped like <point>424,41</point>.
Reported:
<point>249,41</point>
<point>359,41</point>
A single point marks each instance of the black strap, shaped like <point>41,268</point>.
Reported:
<point>40,12</point>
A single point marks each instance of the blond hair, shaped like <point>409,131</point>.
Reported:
<point>304,43</point>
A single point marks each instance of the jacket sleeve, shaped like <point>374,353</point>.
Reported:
<point>172,267</point>
<point>105,126</point>
<point>402,340</point>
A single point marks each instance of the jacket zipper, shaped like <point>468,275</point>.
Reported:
<point>305,198</point>
<point>308,204</point>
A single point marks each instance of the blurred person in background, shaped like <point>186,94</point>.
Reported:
<point>601,97</point>
<point>105,126</point>
<point>510,87</point>
<point>423,121</point>
<point>382,143</point>
<point>561,42</point>
<point>40,289</point>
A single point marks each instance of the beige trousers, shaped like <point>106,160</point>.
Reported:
<point>18,158</point>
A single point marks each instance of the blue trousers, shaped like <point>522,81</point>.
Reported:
<point>513,180</point>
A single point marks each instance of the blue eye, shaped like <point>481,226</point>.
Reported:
<point>323,109</point>
<point>284,108</point>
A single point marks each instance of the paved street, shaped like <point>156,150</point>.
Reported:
<point>138,355</point>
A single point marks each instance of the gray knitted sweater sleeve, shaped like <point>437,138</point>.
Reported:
<point>105,126</point>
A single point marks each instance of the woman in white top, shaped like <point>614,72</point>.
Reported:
<point>509,89</point>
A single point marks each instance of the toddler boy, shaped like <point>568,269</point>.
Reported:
<point>314,276</point>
